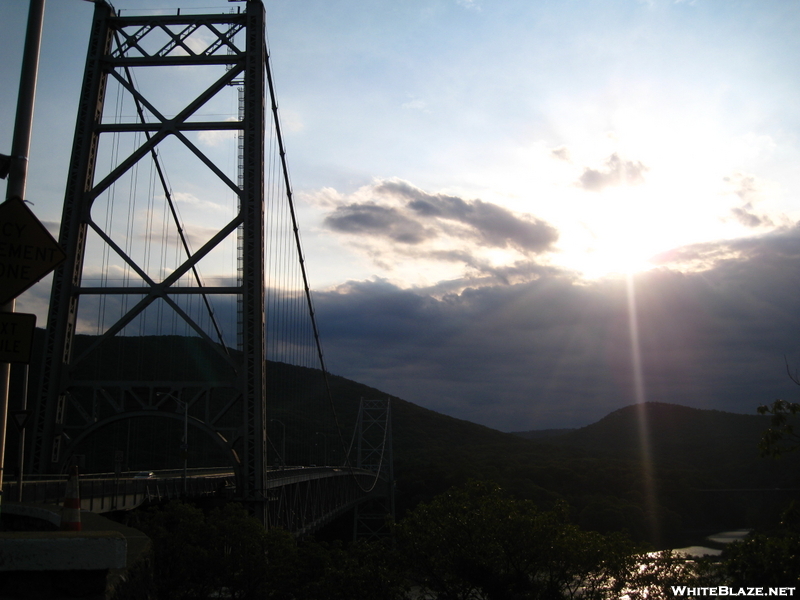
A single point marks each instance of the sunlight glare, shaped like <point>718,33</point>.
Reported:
<point>641,398</point>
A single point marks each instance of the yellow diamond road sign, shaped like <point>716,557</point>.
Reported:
<point>27,250</point>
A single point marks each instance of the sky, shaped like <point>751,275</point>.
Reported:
<point>526,214</point>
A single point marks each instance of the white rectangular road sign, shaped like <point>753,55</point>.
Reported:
<point>16,337</point>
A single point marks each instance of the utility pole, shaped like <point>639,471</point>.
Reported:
<point>18,172</point>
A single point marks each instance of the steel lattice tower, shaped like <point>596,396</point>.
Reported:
<point>73,406</point>
<point>374,453</point>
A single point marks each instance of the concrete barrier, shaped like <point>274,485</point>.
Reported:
<point>62,550</point>
<point>102,561</point>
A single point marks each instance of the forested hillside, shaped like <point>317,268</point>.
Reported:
<point>704,468</point>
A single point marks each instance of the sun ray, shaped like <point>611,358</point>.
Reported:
<point>651,497</point>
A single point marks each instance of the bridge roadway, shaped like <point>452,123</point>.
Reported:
<point>301,499</point>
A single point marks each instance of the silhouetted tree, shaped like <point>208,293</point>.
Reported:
<point>228,554</point>
<point>360,571</point>
<point>767,559</point>
<point>781,437</point>
<point>225,554</point>
<point>184,569</point>
<point>475,541</point>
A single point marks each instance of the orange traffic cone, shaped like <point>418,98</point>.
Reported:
<point>71,513</point>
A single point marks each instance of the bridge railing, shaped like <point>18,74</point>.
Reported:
<point>10,479</point>
<point>107,494</point>
<point>299,499</point>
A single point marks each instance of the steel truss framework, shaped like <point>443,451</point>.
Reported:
<point>303,501</point>
<point>374,454</point>
<point>69,402</point>
<point>300,500</point>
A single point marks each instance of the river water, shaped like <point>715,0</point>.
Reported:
<point>718,539</point>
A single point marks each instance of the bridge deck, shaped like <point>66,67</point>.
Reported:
<point>301,499</point>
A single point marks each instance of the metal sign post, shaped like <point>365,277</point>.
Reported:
<point>21,418</point>
<point>18,172</point>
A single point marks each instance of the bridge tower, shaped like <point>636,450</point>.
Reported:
<point>374,453</point>
<point>221,389</point>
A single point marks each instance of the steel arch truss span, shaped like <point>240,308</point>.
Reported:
<point>160,109</point>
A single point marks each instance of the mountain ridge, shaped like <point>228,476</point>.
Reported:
<point>599,470</point>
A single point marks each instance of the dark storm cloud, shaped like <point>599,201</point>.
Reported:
<point>555,352</point>
<point>616,171</point>
<point>491,224</point>
<point>371,219</point>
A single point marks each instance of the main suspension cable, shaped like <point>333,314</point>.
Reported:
<point>307,288</point>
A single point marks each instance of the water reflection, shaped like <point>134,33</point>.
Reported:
<point>658,572</point>
<point>718,539</point>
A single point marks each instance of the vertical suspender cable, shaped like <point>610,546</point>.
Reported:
<point>296,232</point>
<point>175,218</point>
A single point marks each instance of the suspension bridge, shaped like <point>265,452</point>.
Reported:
<point>181,329</point>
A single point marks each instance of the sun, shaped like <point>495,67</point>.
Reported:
<point>678,197</point>
<point>622,231</point>
<point>618,222</point>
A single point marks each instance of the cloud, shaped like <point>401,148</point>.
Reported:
<point>190,201</point>
<point>402,227</point>
<point>371,219</point>
<point>526,346</point>
<point>561,153</point>
<point>747,189</point>
<point>697,257</point>
<point>197,236</point>
<point>54,227</point>
<point>217,137</point>
<point>555,352</point>
<point>489,224</point>
<point>615,172</point>
<point>291,121</point>
<point>747,218</point>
